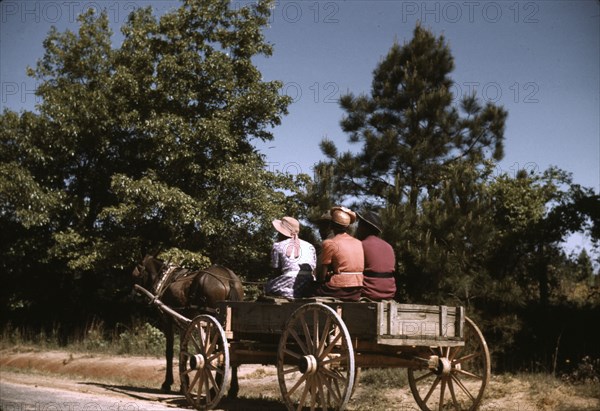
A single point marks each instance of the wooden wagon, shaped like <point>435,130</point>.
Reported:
<point>318,344</point>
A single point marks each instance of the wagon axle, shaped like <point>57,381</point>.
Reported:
<point>308,365</point>
<point>197,362</point>
<point>441,365</point>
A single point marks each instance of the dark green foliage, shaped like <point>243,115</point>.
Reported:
<point>410,131</point>
<point>424,161</point>
<point>462,235</point>
<point>142,148</point>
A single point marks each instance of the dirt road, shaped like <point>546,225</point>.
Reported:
<point>19,393</point>
<point>130,383</point>
<point>133,382</point>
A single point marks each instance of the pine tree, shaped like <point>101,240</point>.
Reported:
<point>409,128</point>
<point>423,159</point>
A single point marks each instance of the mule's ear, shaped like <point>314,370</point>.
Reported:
<point>158,251</point>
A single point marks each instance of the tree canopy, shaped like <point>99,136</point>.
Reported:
<point>463,233</point>
<point>142,147</point>
<point>410,131</point>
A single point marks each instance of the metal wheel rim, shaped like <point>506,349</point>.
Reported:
<point>205,345</point>
<point>463,387</point>
<point>317,331</point>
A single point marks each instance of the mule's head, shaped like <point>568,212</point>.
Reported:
<point>147,272</point>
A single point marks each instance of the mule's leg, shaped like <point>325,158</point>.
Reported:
<point>168,329</point>
<point>234,387</point>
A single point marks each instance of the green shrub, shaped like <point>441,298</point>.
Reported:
<point>94,338</point>
<point>587,370</point>
<point>142,339</point>
<point>12,336</point>
<point>139,338</point>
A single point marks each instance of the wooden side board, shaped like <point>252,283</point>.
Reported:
<point>386,322</point>
<point>426,323</point>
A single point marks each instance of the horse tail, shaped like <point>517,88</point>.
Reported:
<point>233,294</point>
<point>195,294</point>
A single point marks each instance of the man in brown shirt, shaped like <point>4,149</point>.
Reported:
<point>380,261</point>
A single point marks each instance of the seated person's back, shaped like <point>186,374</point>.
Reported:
<point>294,258</point>
<point>380,262</point>
<point>342,260</point>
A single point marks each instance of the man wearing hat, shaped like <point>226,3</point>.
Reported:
<point>342,260</point>
<point>295,258</point>
<point>380,262</point>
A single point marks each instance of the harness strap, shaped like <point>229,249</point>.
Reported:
<point>164,282</point>
<point>170,275</point>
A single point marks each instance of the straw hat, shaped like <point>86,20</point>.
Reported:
<point>342,216</point>
<point>288,226</point>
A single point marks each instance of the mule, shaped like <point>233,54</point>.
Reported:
<point>189,292</point>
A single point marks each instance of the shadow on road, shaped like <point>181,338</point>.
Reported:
<point>178,400</point>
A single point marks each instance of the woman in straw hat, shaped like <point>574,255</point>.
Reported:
<point>295,258</point>
<point>342,260</point>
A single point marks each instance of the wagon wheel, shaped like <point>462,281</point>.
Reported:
<point>204,362</point>
<point>315,359</point>
<point>457,377</point>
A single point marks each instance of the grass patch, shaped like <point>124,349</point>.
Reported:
<point>258,374</point>
<point>373,399</point>
<point>543,391</point>
<point>383,377</point>
<point>138,338</point>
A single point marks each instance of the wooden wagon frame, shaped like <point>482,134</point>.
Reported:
<point>318,344</point>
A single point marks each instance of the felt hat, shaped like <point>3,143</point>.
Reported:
<point>342,216</point>
<point>372,219</point>
<point>325,217</point>
<point>288,226</point>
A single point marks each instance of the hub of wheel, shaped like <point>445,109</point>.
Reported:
<point>439,365</point>
<point>197,362</point>
<point>446,366</point>
<point>308,365</point>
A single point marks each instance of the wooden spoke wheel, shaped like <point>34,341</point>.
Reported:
<point>456,377</point>
<point>204,363</point>
<point>315,360</point>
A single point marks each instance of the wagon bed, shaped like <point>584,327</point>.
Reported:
<point>385,322</point>
<point>318,344</point>
<point>445,354</point>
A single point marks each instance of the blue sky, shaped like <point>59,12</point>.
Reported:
<point>538,59</point>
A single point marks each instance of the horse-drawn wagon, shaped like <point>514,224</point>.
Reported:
<point>318,344</point>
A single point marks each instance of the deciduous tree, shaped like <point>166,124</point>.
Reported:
<point>142,146</point>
